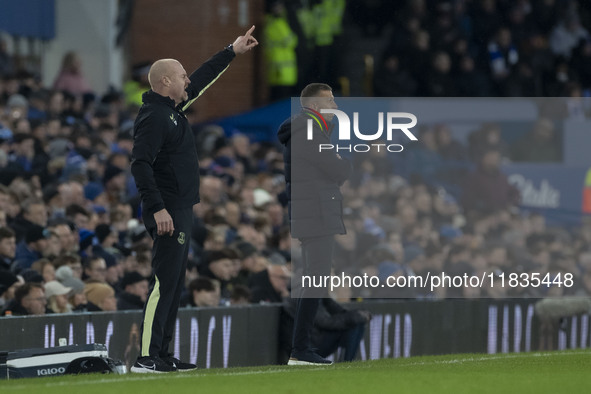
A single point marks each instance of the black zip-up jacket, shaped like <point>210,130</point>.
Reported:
<point>313,179</point>
<point>164,163</point>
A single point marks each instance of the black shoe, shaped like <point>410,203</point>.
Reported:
<point>307,358</point>
<point>151,365</point>
<point>178,364</point>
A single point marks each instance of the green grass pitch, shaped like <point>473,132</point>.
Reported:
<point>547,372</point>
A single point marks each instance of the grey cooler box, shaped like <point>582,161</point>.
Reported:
<point>61,360</point>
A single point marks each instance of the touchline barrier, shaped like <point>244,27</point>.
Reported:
<point>247,336</point>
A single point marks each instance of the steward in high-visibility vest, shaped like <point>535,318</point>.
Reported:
<point>306,18</point>
<point>134,88</point>
<point>324,23</point>
<point>279,44</point>
<point>328,22</point>
<point>337,10</point>
<point>132,91</point>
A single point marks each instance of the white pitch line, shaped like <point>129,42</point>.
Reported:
<point>139,378</point>
<point>492,357</point>
<point>132,377</point>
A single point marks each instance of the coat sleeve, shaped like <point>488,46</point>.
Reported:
<point>207,74</point>
<point>148,138</point>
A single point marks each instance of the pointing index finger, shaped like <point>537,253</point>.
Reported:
<point>249,32</point>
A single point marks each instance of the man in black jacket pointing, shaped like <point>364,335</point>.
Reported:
<point>166,171</point>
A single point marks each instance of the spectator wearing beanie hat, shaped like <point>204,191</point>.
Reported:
<point>57,297</point>
<point>86,237</point>
<point>76,297</point>
<point>65,275</point>
<point>29,275</point>
<point>105,235</point>
<point>102,295</point>
<point>93,190</point>
<point>135,292</point>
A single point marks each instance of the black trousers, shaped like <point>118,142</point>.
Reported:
<point>169,264</point>
<point>316,261</point>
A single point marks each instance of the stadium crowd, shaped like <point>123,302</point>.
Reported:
<point>481,48</point>
<point>71,241</point>
<point>436,48</point>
